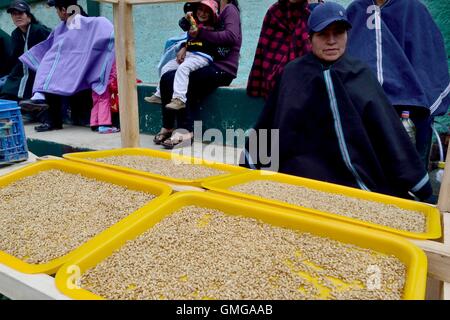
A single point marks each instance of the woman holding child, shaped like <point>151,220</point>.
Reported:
<point>226,36</point>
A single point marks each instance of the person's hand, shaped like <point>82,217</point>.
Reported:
<point>181,54</point>
<point>193,32</point>
<point>189,15</point>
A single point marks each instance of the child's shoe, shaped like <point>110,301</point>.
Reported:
<point>153,99</point>
<point>176,104</point>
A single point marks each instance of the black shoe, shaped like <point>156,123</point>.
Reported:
<point>33,105</point>
<point>46,127</point>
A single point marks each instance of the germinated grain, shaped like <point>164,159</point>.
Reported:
<point>200,253</point>
<point>169,168</point>
<point>370,211</point>
<point>46,215</point>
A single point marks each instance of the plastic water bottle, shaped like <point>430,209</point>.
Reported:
<point>440,171</point>
<point>409,126</point>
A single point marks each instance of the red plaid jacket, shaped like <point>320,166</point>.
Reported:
<point>284,37</point>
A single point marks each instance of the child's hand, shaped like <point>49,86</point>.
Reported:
<point>193,32</point>
<point>181,54</point>
<point>189,15</point>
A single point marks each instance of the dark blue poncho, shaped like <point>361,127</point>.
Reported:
<point>336,125</point>
<point>404,47</point>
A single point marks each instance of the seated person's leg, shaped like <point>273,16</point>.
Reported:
<point>168,116</point>
<point>191,63</point>
<point>204,81</point>
<point>166,86</point>
<point>201,83</point>
<point>156,97</point>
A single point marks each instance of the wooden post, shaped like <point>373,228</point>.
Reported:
<point>126,67</point>
<point>444,207</point>
<point>444,194</point>
<point>445,287</point>
<point>126,73</point>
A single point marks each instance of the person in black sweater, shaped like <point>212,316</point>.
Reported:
<point>5,56</point>
<point>28,33</point>
<point>194,55</point>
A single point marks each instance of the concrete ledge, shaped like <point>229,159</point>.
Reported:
<point>83,138</point>
<point>4,169</point>
<point>20,286</point>
<point>226,108</point>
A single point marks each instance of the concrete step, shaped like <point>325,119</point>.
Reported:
<point>83,138</point>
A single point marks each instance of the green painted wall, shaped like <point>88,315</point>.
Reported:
<point>5,3</point>
<point>219,110</point>
<point>155,23</point>
<point>440,11</point>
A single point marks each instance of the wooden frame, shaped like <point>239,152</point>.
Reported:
<point>39,286</point>
<point>438,252</point>
<point>17,285</point>
<point>126,67</point>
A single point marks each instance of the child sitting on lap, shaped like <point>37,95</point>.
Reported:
<point>195,54</point>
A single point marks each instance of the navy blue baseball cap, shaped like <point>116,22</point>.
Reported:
<point>325,14</point>
<point>61,3</point>
<point>19,5</point>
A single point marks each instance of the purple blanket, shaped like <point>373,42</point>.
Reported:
<point>75,58</point>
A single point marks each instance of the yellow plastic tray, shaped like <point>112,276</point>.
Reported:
<point>431,213</point>
<point>82,157</point>
<point>162,191</point>
<point>97,250</point>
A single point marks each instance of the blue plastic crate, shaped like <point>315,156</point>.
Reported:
<point>13,143</point>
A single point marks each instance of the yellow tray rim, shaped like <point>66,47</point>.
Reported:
<point>81,157</point>
<point>96,251</point>
<point>432,214</point>
<point>160,190</point>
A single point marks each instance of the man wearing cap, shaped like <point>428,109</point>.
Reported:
<point>335,123</point>
<point>29,32</point>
